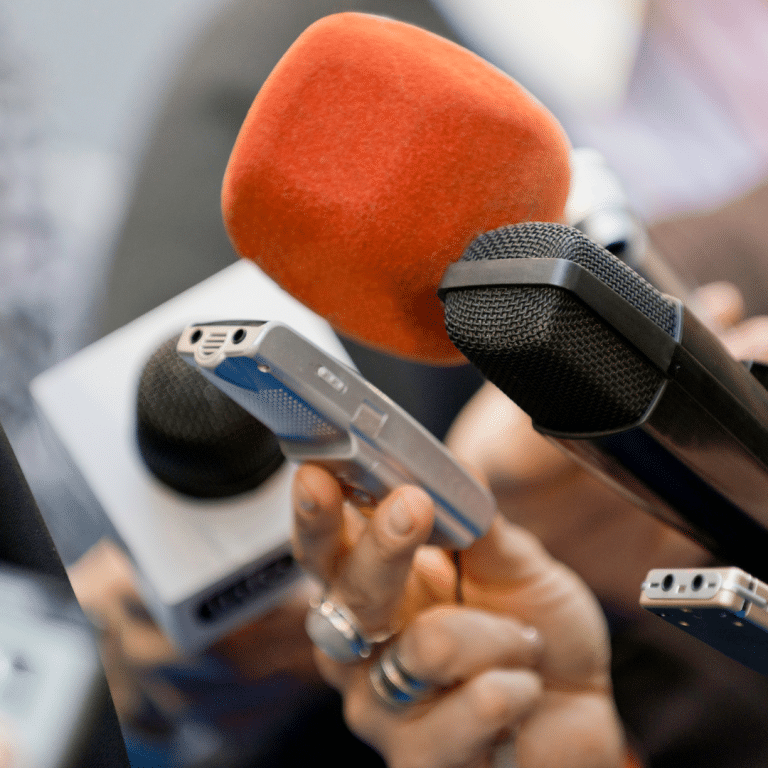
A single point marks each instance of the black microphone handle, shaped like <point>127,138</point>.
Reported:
<point>621,376</point>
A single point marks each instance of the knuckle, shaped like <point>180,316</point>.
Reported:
<point>498,698</point>
<point>401,523</point>
<point>389,548</point>
<point>430,645</point>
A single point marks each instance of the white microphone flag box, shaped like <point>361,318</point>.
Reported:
<point>205,565</point>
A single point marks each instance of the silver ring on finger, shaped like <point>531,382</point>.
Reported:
<point>394,684</point>
<point>334,629</point>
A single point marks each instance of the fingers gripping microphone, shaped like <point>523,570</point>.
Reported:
<point>622,376</point>
<point>372,156</point>
<point>376,152</point>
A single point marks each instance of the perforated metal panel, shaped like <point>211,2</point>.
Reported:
<point>284,412</point>
<point>544,348</point>
<point>545,240</point>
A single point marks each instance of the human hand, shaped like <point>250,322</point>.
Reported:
<point>581,520</point>
<point>130,643</point>
<point>525,653</point>
<point>133,647</point>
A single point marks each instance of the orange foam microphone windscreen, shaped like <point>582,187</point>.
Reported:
<point>373,154</point>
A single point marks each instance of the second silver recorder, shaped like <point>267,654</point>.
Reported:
<point>324,412</point>
<point>724,607</point>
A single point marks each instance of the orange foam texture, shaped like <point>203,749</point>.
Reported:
<point>371,157</point>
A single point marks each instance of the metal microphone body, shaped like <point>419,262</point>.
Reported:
<point>622,377</point>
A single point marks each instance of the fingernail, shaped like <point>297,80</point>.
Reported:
<point>400,518</point>
<point>305,501</point>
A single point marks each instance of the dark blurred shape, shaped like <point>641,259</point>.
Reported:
<point>26,543</point>
<point>50,670</point>
<point>193,437</point>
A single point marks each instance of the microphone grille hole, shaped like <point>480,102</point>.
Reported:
<point>697,583</point>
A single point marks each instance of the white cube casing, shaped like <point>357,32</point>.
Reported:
<point>205,566</point>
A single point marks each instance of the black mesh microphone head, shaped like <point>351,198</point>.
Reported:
<point>543,347</point>
<point>193,437</point>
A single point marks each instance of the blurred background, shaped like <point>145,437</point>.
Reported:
<point>82,84</point>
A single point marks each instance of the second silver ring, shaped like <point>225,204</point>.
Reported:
<point>394,684</point>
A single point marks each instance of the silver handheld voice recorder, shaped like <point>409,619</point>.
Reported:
<point>324,412</point>
<point>724,607</point>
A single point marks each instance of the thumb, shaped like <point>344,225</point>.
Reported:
<point>509,572</point>
<point>507,556</point>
